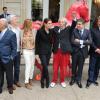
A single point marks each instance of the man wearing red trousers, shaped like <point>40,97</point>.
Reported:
<point>61,49</point>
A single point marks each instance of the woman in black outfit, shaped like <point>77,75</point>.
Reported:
<point>43,49</point>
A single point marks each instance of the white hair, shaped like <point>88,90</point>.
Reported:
<point>63,19</point>
<point>5,21</point>
<point>10,17</point>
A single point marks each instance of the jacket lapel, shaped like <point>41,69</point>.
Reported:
<point>6,33</point>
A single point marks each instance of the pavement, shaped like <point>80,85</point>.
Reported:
<point>56,93</point>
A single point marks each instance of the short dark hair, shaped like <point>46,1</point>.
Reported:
<point>81,20</point>
<point>46,20</point>
<point>4,8</point>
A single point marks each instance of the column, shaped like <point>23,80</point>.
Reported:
<point>45,8</point>
<point>28,8</point>
<point>61,14</point>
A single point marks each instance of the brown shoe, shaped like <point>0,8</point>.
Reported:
<point>14,87</point>
<point>28,86</point>
<point>10,90</point>
<point>31,82</point>
<point>18,84</point>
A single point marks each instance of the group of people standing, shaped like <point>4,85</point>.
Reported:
<point>65,42</point>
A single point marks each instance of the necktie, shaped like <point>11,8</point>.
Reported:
<point>80,32</point>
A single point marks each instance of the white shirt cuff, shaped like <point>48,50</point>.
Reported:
<point>81,42</point>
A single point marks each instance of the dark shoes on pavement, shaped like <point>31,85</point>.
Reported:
<point>72,82</point>
<point>79,84</point>
<point>89,83</point>
<point>10,90</point>
<point>0,90</point>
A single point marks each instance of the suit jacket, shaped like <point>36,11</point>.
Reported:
<point>8,46</point>
<point>95,33</point>
<point>43,42</point>
<point>2,15</point>
<point>87,40</point>
<point>63,38</point>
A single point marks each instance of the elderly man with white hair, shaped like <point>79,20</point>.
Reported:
<point>14,26</point>
<point>8,46</point>
<point>61,49</point>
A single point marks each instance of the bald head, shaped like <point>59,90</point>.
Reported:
<point>3,24</point>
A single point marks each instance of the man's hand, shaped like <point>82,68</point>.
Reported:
<point>77,40</point>
<point>74,15</point>
<point>97,51</point>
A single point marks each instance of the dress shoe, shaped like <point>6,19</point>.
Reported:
<point>10,90</point>
<point>0,90</point>
<point>79,84</point>
<point>18,84</point>
<point>96,83</point>
<point>14,87</point>
<point>28,86</point>
<point>71,82</point>
<point>31,82</point>
<point>88,84</point>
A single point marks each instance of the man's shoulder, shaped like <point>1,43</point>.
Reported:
<point>10,32</point>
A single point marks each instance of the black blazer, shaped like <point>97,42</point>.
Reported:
<point>43,42</point>
<point>95,33</point>
<point>87,40</point>
<point>63,37</point>
<point>2,15</point>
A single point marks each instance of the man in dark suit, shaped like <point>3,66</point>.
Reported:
<point>94,63</point>
<point>81,38</point>
<point>5,14</point>
<point>8,46</point>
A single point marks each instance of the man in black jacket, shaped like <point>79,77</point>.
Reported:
<point>94,63</point>
<point>61,49</point>
<point>81,38</point>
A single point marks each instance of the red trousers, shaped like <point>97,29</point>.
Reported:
<point>60,60</point>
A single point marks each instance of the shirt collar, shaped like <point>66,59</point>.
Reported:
<point>4,30</point>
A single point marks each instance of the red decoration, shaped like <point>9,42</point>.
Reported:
<point>81,9</point>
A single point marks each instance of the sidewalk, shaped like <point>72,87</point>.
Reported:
<point>56,93</point>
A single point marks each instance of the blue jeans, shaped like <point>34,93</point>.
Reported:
<point>94,66</point>
<point>16,67</point>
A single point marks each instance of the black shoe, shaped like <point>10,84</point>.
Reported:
<point>0,91</point>
<point>79,84</point>
<point>71,82</point>
<point>88,84</point>
<point>10,90</point>
<point>96,83</point>
<point>42,83</point>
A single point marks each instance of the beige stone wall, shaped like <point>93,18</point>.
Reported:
<point>15,7</point>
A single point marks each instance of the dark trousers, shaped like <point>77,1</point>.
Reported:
<point>16,67</point>
<point>45,62</point>
<point>94,66</point>
<point>8,69</point>
<point>77,65</point>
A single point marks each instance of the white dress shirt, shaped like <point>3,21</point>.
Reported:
<point>17,31</point>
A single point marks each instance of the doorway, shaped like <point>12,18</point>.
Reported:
<point>54,8</point>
